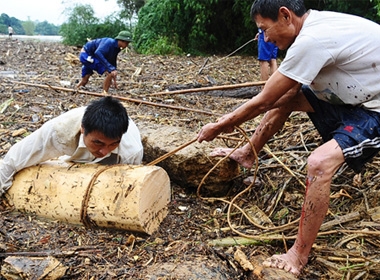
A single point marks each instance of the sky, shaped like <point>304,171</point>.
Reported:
<point>52,10</point>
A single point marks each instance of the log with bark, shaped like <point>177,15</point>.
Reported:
<point>191,166</point>
<point>244,90</point>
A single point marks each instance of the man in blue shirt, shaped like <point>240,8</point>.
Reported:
<point>267,54</point>
<point>100,55</point>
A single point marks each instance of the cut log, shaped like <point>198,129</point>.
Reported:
<point>128,197</point>
<point>190,165</point>
<point>243,93</point>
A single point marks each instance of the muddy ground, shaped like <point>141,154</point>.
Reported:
<point>184,247</point>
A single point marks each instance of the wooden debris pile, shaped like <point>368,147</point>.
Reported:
<point>191,234</point>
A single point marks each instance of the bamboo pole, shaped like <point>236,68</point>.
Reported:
<point>158,160</point>
<point>122,98</point>
<point>140,101</point>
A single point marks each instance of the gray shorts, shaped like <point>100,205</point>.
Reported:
<point>357,130</point>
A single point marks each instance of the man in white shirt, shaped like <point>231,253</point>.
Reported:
<point>331,71</point>
<point>10,31</point>
<point>100,133</point>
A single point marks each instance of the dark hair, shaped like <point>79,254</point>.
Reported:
<point>270,8</point>
<point>106,115</point>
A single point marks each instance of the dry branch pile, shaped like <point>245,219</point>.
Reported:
<point>197,236</point>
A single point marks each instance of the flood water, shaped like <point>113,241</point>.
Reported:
<point>35,37</point>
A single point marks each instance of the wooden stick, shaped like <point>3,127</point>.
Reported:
<point>55,253</point>
<point>237,240</point>
<point>182,91</point>
<point>359,232</point>
<point>161,158</point>
<point>138,101</point>
<point>204,64</point>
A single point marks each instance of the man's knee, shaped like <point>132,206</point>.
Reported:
<point>316,163</point>
<point>326,159</point>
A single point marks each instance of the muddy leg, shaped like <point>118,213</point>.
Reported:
<point>84,81</point>
<point>322,165</point>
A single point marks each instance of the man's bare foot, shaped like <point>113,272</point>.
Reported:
<point>288,262</point>
<point>79,86</point>
<point>244,159</point>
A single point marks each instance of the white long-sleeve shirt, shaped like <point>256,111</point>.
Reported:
<point>62,137</point>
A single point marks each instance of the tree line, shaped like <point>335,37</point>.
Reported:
<point>216,26</point>
<point>176,26</point>
<point>190,26</point>
<point>27,27</point>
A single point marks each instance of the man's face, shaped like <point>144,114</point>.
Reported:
<point>123,44</point>
<point>278,32</point>
<point>98,144</point>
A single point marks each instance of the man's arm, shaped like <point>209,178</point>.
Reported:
<point>37,147</point>
<point>276,89</point>
<point>105,49</point>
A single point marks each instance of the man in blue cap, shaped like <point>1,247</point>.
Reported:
<point>100,55</point>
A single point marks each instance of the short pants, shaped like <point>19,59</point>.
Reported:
<point>356,129</point>
<point>90,64</point>
<point>266,50</point>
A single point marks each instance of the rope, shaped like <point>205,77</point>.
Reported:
<point>204,66</point>
<point>84,218</point>
<point>232,202</point>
